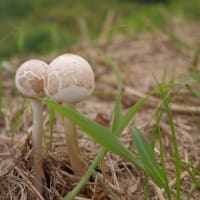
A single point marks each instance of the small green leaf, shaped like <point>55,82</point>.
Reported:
<point>100,134</point>
<point>166,105</point>
<point>103,151</point>
<point>147,157</point>
<point>125,119</point>
<point>117,107</point>
<point>117,114</point>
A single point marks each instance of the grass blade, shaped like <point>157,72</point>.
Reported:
<point>146,187</point>
<point>162,153</point>
<point>103,151</point>
<point>117,114</point>
<point>129,115</point>
<point>174,140</point>
<point>118,126</point>
<point>86,176</point>
<point>117,107</point>
<point>100,134</point>
<point>147,157</point>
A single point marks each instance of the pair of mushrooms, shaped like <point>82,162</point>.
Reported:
<point>67,79</point>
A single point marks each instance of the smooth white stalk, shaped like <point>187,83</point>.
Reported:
<point>74,154</point>
<point>37,132</point>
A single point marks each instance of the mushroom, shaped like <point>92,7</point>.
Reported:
<point>70,79</point>
<point>29,81</point>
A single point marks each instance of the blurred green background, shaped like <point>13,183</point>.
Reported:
<point>47,26</point>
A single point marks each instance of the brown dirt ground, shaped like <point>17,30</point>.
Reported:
<point>138,59</point>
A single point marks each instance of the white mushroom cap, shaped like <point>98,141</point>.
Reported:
<point>29,78</point>
<point>69,79</point>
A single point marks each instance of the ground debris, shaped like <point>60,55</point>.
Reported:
<point>138,59</point>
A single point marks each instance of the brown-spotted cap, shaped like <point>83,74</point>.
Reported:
<point>29,78</point>
<point>70,78</point>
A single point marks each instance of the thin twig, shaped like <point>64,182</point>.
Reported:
<point>152,101</point>
<point>29,184</point>
<point>158,191</point>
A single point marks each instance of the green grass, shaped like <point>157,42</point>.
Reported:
<point>35,34</point>
<point>145,159</point>
<point>43,26</point>
<point>158,116</point>
<point>101,135</point>
<point>166,106</point>
<point>118,126</point>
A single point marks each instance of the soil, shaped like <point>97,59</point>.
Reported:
<point>141,60</point>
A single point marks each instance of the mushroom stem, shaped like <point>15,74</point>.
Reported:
<point>75,158</point>
<point>37,108</point>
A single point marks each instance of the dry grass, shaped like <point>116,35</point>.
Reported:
<point>139,57</point>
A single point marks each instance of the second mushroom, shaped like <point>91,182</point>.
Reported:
<point>29,81</point>
<point>69,80</point>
